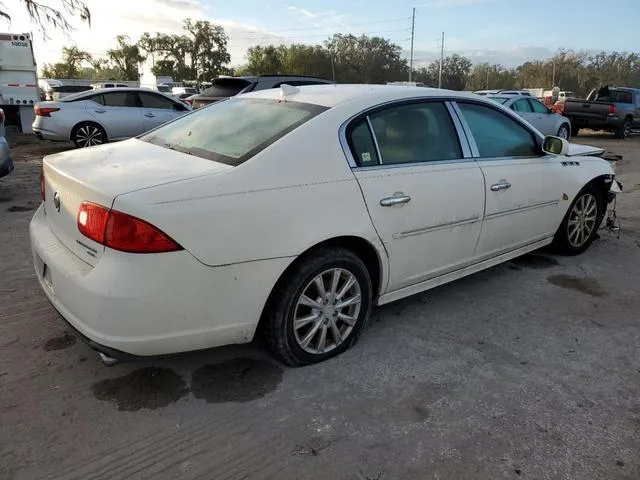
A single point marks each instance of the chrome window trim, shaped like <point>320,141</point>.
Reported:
<point>448,101</point>
<point>375,140</point>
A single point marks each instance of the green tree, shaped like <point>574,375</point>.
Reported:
<point>70,65</point>
<point>163,68</point>
<point>366,59</point>
<point>297,59</point>
<point>48,16</point>
<point>199,54</point>
<point>455,70</point>
<point>126,58</point>
<point>485,76</point>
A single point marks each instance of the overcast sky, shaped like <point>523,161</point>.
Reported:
<point>508,32</point>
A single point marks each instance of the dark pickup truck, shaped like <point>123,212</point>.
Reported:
<point>614,109</point>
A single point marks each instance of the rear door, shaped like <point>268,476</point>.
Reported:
<point>424,193</point>
<point>118,112</point>
<point>158,109</point>
<point>523,186</point>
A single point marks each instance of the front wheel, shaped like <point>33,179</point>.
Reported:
<point>318,311</point>
<point>580,225</point>
<point>88,135</point>
<point>564,132</point>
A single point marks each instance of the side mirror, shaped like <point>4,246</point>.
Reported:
<point>555,145</point>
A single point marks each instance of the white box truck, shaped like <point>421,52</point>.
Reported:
<point>18,80</point>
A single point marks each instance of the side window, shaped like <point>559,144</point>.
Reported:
<point>538,107</point>
<point>99,99</point>
<point>120,99</point>
<point>497,135</point>
<point>521,106</point>
<point>418,132</point>
<point>362,145</point>
<point>151,100</point>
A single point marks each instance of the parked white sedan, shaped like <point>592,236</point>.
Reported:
<point>291,213</point>
<point>104,115</point>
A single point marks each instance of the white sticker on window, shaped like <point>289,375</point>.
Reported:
<point>366,157</point>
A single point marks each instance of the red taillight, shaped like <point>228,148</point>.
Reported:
<point>43,193</point>
<point>612,109</point>
<point>44,111</point>
<point>92,221</point>
<point>122,232</point>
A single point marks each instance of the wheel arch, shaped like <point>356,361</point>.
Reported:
<point>359,246</point>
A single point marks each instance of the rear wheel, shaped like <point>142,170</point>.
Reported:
<point>580,225</point>
<point>625,130</point>
<point>319,310</point>
<point>88,134</point>
<point>564,132</point>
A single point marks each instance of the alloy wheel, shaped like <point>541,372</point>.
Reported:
<point>88,136</point>
<point>327,311</point>
<point>563,132</point>
<point>582,220</point>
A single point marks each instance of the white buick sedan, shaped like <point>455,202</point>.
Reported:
<point>291,213</point>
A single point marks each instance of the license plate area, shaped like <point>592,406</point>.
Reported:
<point>45,273</point>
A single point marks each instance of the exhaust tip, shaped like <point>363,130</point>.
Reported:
<point>108,361</point>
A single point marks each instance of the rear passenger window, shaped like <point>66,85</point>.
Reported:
<point>99,99</point>
<point>120,99</point>
<point>362,144</point>
<point>496,134</point>
<point>417,132</point>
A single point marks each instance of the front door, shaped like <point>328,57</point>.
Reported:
<point>118,112</point>
<point>157,109</point>
<point>424,195</point>
<point>523,186</point>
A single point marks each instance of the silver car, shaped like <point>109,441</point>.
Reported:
<point>6,160</point>
<point>105,115</point>
<point>545,120</point>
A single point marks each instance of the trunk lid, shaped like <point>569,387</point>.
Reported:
<point>100,174</point>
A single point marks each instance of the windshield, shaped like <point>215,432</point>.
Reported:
<point>502,100</point>
<point>164,88</point>
<point>226,87</point>
<point>209,133</point>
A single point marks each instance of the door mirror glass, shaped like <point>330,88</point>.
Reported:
<point>555,145</point>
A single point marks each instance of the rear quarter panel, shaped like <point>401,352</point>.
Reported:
<point>295,194</point>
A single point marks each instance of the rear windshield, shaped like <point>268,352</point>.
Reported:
<point>502,100</point>
<point>226,87</point>
<point>256,123</point>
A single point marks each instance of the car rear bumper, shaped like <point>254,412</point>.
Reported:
<point>595,122</point>
<point>147,305</point>
<point>46,134</point>
<point>6,160</point>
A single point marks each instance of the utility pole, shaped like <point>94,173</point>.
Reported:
<point>441,60</point>
<point>333,67</point>
<point>553,78</point>
<point>413,24</point>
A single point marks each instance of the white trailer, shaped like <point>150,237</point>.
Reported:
<point>18,80</point>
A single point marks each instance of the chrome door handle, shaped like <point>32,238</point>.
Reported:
<point>501,185</point>
<point>397,199</point>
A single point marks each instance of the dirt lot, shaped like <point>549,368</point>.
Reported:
<point>529,370</point>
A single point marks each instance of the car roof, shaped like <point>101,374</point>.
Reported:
<point>95,91</point>
<point>331,95</point>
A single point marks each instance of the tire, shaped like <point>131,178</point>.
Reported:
<point>625,130</point>
<point>564,131</point>
<point>88,134</point>
<point>588,203</point>
<point>301,346</point>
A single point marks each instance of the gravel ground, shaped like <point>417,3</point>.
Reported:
<point>529,370</point>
